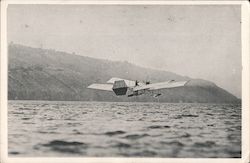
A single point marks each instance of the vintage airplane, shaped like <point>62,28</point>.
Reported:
<point>134,88</point>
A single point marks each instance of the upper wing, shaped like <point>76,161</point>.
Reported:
<point>129,83</point>
<point>162,85</point>
<point>105,87</point>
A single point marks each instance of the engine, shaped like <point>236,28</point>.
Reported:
<point>120,88</point>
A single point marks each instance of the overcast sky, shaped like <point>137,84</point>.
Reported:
<point>195,41</point>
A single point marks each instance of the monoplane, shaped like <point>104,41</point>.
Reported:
<point>135,88</point>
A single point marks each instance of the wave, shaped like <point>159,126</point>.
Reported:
<point>173,143</point>
<point>63,143</point>
<point>145,153</point>
<point>121,145</point>
<point>189,115</point>
<point>25,108</point>
<point>135,136</point>
<point>26,118</point>
<point>112,133</point>
<point>158,127</point>
<point>186,135</point>
<point>45,132</point>
<point>204,144</point>
<point>67,146</point>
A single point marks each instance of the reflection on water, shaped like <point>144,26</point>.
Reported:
<point>102,129</point>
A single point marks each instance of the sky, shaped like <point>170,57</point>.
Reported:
<point>199,41</point>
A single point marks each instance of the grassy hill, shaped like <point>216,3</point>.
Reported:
<point>42,74</point>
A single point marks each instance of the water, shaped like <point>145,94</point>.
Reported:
<point>102,129</point>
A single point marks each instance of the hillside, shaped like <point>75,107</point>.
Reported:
<point>42,74</point>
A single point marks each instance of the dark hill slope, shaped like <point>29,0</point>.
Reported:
<point>40,74</point>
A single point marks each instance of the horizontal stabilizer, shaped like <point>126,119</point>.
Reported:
<point>104,87</point>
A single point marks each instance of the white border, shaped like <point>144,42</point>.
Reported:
<point>245,86</point>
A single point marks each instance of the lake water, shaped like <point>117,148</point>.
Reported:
<point>106,129</point>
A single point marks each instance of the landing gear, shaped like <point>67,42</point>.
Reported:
<point>156,95</point>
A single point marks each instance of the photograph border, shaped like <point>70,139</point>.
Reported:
<point>245,87</point>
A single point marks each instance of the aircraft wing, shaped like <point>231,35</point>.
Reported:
<point>162,85</point>
<point>104,87</point>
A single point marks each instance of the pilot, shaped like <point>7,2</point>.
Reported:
<point>136,83</point>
